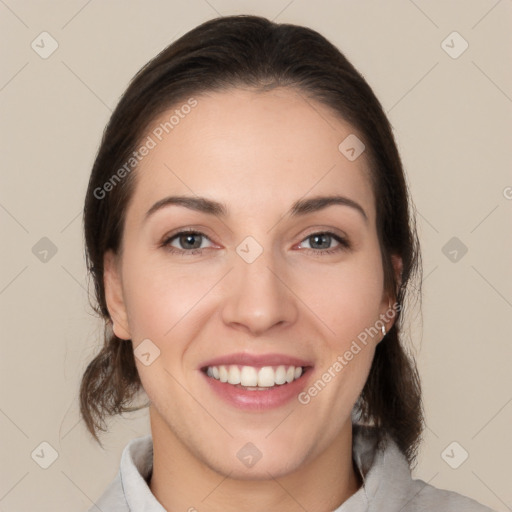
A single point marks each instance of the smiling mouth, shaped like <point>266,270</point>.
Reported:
<point>253,378</point>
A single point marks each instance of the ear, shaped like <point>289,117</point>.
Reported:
<point>398,267</point>
<point>389,300</point>
<point>114,295</point>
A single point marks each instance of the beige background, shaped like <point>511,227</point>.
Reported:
<point>452,119</point>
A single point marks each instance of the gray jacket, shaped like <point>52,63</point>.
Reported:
<point>387,482</point>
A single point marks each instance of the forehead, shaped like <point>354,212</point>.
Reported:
<point>250,150</point>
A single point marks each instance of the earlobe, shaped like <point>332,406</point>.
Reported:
<point>114,296</point>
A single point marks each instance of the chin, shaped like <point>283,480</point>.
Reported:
<point>265,468</point>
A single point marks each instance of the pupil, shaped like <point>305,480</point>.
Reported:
<point>319,238</point>
<point>189,239</point>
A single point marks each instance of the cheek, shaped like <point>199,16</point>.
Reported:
<point>347,297</point>
<point>166,302</point>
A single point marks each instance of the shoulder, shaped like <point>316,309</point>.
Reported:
<point>388,483</point>
<point>129,489</point>
<point>424,497</point>
<point>113,498</point>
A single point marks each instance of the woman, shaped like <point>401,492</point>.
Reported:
<point>249,234</point>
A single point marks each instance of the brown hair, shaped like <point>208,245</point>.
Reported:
<point>250,51</point>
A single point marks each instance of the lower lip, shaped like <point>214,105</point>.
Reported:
<point>270,398</point>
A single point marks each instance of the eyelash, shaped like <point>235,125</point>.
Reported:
<point>344,244</point>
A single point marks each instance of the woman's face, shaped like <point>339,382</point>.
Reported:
<point>274,289</point>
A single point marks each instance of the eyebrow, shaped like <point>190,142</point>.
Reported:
<point>300,207</point>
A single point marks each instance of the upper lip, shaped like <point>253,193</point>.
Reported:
<point>256,360</point>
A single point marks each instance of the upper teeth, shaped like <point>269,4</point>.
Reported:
<point>264,377</point>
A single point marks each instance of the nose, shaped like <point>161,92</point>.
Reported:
<point>258,296</point>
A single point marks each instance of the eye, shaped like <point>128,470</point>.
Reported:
<point>191,242</point>
<point>186,242</point>
<point>321,243</point>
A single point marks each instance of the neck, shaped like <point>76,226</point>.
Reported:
<point>180,481</point>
